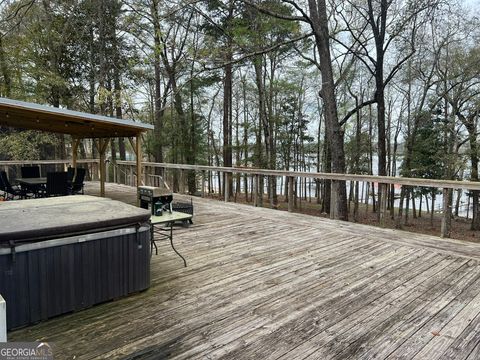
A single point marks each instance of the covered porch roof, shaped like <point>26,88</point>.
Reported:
<point>80,125</point>
<point>25,115</point>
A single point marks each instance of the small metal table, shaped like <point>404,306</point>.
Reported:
<point>163,226</point>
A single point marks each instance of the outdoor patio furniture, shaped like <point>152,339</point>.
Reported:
<point>10,192</point>
<point>70,174</point>
<point>30,171</point>
<point>184,207</point>
<point>163,227</point>
<point>2,188</point>
<point>56,184</point>
<point>33,186</point>
<point>76,186</point>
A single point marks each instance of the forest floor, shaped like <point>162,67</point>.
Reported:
<point>421,224</point>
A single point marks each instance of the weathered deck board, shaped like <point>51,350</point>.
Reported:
<point>268,284</point>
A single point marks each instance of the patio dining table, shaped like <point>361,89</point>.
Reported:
<point>32,181</point>
<point>32,184</point>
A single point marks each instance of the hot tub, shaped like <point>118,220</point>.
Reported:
<point>65,254</point>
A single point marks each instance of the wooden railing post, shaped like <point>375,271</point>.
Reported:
<point>446,227</point>
<point>334,200</point>
<point>383,203</point>
<point>256,182</point>
<point>181,186</point>
<point>291,182</point>
<point>203,183</point>
<point>226,186</point>
<point>261,189</point>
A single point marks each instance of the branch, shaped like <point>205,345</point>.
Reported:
<point>397,67</point>
<point>357,39</point>
<point>260,52</point>
<point>299,9</point>
<point>353,111</point>
<point>28,6</point>
<point>303,56</point>
<point>184,40</point>
<point>277,15</point>
<point>344,72</point>
<point>357,55</point>
<point>13,15</point>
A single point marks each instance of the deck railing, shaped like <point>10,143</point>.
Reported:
<point>296,187</point>
<point>299,187</point>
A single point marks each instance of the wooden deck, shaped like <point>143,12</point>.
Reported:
<point>265,284</point>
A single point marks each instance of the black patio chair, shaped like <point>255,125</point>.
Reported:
<point>184,207</point>
<point>10,192</point>
<point>30,171</point>
<point>77,185</point>
<point>56,184</point>
<point>2,188</point>
<point>70,174</point>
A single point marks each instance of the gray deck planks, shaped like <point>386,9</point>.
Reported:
<point>353,325</point>
<point>438,336</point>
<point>267,284</point>
<point>405,322</point>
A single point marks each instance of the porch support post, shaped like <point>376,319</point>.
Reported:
<point>291,181</point>
<point>75,144</point>
<point>103,143</point>
<point>138,152</point>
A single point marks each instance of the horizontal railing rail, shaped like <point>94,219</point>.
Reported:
<point>421,182</point>
<point>444,184</point>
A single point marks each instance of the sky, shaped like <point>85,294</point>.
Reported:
<point>474,5</point>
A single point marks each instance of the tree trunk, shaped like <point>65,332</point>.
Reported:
<point>319,158</point>
<point>472,138</point>
<point>91,78</point>
<point>420,206</point>
<point>158,106</point>
<point>319,24</point>
<point>326,196</point>
<point>272,160</point>
<point>227,103</point>
<point>7,82</point>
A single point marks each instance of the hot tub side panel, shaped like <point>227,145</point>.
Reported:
<point>42,283</point>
